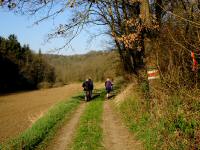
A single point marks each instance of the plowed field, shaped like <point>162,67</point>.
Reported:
<point>19,110</point>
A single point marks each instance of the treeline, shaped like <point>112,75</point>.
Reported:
<point>20,68</point>
<point>97,65</point>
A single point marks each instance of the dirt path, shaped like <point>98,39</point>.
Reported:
<point>64,136</point>
<point>19,110</point>
<point>116,135</point>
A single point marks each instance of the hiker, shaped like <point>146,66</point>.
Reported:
<point>88,87</point>
<point>108,86</point>
<point>91,87</point>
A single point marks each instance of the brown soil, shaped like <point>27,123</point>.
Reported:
<point>19,110</point>
<point>64,136</point>
<point>116,135</point>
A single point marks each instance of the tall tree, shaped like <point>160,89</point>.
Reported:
<point>128,22</point>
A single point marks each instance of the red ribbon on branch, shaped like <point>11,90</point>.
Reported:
<point>195,63</point>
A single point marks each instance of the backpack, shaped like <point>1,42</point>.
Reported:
<point>86,85</point>
<point>108,85</point>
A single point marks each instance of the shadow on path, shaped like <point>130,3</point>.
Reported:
<point>82,97</point>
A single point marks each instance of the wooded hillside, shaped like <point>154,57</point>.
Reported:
<point>97,65</point>
<point>22,69</point>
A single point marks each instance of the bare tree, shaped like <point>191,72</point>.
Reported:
<point>128,22</point>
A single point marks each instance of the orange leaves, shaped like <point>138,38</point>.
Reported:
<point>128,40</point>
<point>131,22</point>
<point>135,27</point>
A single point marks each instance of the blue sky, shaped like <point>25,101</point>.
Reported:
<point>22,27</point>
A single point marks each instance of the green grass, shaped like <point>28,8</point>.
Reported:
<point>43,128</point>
<point>140,122</point>
<point>89,133</point>
<point>175,126</point>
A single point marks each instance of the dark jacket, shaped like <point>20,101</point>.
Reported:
<point>91,86</point>
<point>85,85</point>
<point>88,85</point>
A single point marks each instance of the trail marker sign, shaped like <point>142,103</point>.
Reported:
<point>153,73</point>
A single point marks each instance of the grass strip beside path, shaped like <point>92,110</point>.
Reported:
<point>41,129</point>
<point>89,134</point>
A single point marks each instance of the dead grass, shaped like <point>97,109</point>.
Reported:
<point>124,94</point>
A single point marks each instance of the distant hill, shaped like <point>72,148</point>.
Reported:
<point>98,65</point>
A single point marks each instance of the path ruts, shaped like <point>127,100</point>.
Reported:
<point>64,136</point>
<point>116,135</point>
<point>79,133</point>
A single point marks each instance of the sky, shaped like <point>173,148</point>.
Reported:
<point>35,35</point>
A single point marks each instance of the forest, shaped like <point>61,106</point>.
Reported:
<point>97,65</point>
<point>159,33</point>
<point>21,69</point>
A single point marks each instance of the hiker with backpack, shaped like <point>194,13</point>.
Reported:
<point>88,87</point>
<point>108,86</point>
